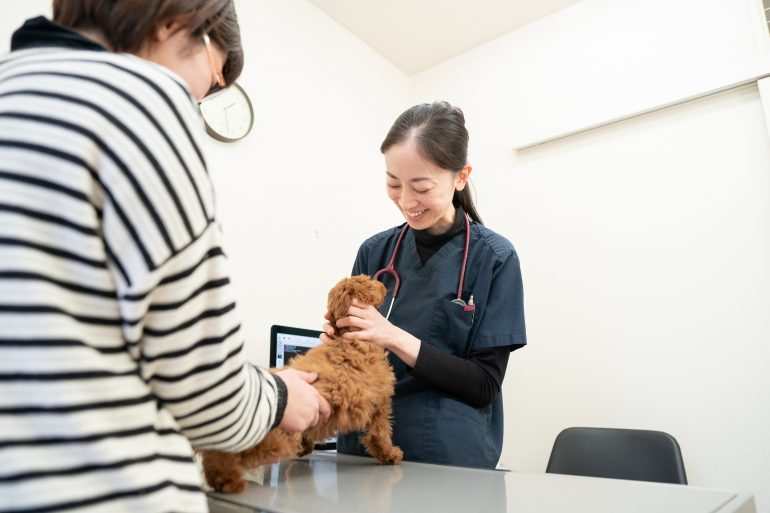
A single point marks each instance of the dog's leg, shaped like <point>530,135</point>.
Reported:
<point>223,471</point>
<point>378,441</point>
<point>308,444</point>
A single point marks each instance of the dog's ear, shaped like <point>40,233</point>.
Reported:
<point>339,302</point>
<point>368,290</point>
<point>361,287</point>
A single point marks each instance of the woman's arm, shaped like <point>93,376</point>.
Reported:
<point>476,380</point>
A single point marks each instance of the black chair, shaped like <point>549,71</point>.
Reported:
<point>618,453</point>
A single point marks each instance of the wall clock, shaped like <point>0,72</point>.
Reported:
<point>228,114</point>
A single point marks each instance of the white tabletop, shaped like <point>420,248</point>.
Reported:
<point>327,482</point>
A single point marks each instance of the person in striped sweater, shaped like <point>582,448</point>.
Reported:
<point>120,343</point>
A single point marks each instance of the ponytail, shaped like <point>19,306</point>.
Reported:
<point>464,200</point>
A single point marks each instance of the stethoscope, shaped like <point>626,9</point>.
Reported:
<point>391,270</point>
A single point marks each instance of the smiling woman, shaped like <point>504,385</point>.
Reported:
<point>459,311</point>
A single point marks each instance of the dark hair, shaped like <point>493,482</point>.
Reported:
<point>439,130</point>
<point>126,24</point>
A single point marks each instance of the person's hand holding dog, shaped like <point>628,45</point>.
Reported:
<point>305,407</point>
<point>373,327</point>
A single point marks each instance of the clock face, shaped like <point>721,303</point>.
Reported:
<point>228,114</point>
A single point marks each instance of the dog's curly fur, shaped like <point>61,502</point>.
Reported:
<point>354,376</point>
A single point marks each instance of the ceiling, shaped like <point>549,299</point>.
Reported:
<point>417,34</point>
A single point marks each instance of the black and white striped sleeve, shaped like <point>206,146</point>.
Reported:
<point>164,247</point>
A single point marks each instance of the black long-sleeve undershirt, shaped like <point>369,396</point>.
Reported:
<point>475,380</point>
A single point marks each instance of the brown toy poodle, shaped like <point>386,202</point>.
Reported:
<point>354,376</point>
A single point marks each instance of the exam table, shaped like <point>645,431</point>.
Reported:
<point>330,482</point>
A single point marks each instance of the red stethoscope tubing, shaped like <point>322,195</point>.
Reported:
<point>391,267</point>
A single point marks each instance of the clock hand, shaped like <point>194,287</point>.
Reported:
<point>227,118</point>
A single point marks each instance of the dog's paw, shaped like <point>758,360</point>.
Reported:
<point>229,484</point>
<point>392,457</point>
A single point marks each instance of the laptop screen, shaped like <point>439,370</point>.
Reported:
<point>287,342</point>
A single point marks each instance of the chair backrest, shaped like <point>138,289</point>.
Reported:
<point>618,453</point>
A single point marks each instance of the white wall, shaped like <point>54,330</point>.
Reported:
<point>14,14</point>
<point>645,248</point>
<point>604,59</point>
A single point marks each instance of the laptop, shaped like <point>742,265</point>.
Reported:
<point>286,342</point>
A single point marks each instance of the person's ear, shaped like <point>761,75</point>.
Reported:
<point>168,28</point>
<point>462,177</point>
<point>163,32</point>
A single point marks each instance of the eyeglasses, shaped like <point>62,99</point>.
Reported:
<point>217,73</point>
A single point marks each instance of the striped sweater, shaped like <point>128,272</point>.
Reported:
<point>120,348</point>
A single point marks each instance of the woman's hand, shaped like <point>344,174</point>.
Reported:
<point>305,407</point>
<point>373,327</point>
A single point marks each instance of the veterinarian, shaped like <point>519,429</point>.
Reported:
<point>120,343</point>
<point>449,348</point>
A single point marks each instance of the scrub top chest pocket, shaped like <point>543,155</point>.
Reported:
<point>451,326</point>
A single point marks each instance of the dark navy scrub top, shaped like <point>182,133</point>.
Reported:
<point>428,424</point>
